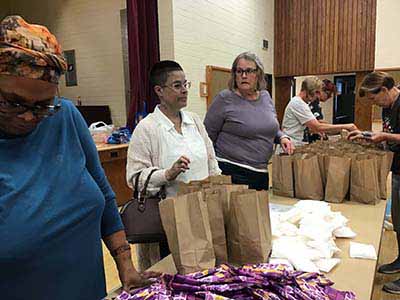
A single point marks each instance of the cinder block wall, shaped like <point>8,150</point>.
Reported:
<point>214,32</point>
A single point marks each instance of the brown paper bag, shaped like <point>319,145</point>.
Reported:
<point>282,175</point>
<point>338,178</point>
<point>187,226</point>
<point>364,183</point>
<point>187,188</point>
<point>307,178</point>
<point>198,185</point>
<point>215,198</point>
<point>226,196</point>
<point>220,179</point>
<point>384,163</point>
<point>249,229</point>
<point>323,167</point>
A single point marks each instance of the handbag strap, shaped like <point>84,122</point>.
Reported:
<point>146,183</point>
<point>162,192</point>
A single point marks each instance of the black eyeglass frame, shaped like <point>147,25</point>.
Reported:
<point>40,111</point>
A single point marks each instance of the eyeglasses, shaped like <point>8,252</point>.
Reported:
<point>40,111</point>
<point>179,86</point>
<point>248,71</point>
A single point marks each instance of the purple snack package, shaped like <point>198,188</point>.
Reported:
<point>260,281</point>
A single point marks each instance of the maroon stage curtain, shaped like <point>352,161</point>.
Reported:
<point>144,52</point>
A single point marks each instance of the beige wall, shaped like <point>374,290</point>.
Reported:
<point>214,32</point>
<point>5,6</point>
<point>166,29</point>
<point>93,29</point>
<point>387,39</point>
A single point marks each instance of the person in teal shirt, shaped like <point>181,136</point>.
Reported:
<point>56,204</point>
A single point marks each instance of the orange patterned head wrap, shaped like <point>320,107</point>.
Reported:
<point>30,51</point>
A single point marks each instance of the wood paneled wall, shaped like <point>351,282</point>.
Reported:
<point>324,36</point>
<point>283,87</point>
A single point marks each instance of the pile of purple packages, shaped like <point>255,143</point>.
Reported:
<point>261,281</point>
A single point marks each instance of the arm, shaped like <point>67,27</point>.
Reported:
<point>215,118</point>
<point>316,126</point>
<point>142,158</point>
<point>213,168</point>
<point>279,135</point>
<point>111,221</point>
<point>120,249</point>
<point>375,137</point>
<point>111,225</point>
<point>281,138</point>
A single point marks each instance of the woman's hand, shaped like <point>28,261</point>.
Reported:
<point>355,134</point>
<point>377,137</point>
<point>180,166</point>
<point>131,279</point>
<point>287,145</point>
<point>374,137</point>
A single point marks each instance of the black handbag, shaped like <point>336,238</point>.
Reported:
<point>141,215</point>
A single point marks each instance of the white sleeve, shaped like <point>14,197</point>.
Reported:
<point>302,112</point>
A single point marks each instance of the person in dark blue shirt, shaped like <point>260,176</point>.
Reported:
<point>56,204</point>
<point>380,89</point>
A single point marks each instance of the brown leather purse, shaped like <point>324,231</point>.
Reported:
<point>141,215</point>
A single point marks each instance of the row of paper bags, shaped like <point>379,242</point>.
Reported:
<point>333,172</point>
<point>213,221</point>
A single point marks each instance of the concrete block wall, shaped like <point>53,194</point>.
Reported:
<point>5,6</point>
<point>214,32</point>
<point>387,41</point>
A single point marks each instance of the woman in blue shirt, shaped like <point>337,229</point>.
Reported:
<point>56,204</point>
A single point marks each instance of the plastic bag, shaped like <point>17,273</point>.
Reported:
<point>366,251</point>
<point>100,131</point>
<point>119,136</point>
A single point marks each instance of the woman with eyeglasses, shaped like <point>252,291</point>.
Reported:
<point>242,124</point>
<point>380,89</point>
<point>298,114</point>
<point>56,205</point>
<point>171,141</point>
<point>327,92</point>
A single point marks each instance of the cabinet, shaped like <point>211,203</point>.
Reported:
<point>113,160</point>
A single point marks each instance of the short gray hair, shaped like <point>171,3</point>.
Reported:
<point>261,83</point>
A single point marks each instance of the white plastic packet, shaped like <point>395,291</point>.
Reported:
<point>315,232</point>
<point>283,247</point>
<point>312,205</point>
<point>292,216</point>
<point>344,232</point>
<point>366,251</point>
<point>326,265</point>
<point>325,249</point>
<point>304,264</point>
<point>285,229</point>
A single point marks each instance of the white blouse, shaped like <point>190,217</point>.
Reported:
<point>156,144</point>
<point>189,144</point>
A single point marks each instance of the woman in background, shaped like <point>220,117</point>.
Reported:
<point>242,124</point>
<point>328,91</point>
<point>171,141</point>
<point>379,87</point>
<point>298,114</point>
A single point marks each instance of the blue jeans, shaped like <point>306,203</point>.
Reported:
<point>396,202</point>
